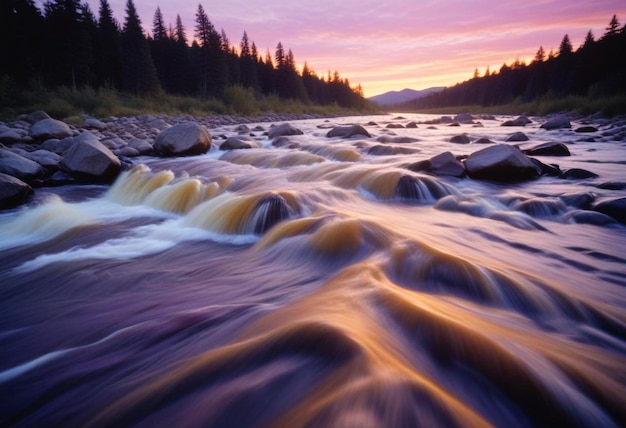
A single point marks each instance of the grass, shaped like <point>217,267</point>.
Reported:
<point>68,104</point>
<point>608,105</point>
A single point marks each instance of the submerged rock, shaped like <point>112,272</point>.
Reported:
<point>185,139</point>
<point>585,129</point>
<point>269,211</point>
<point>348,131</point>
<point>500,163</point>
<point>238,143</point>
<point>460,139</point>
<point>577,174</point>
<point>614,207</point>
<point>13,191</point>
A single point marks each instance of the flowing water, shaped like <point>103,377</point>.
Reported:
<point>302,284</point>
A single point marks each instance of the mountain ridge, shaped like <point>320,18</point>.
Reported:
<point>405,95</point>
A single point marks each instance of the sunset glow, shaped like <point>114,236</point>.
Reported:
<point>398,43</point>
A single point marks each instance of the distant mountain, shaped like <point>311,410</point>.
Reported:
<point>398,97</point>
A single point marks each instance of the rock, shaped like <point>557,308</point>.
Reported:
<point>348,131</point>
<point>233,143</point>
<point>589,217</point>
<point>614,207</point>
<point>548,149</point>
<point>455,124</point>
<point>185,139</point>
<point>126,152</point>
<point>50,128</point>
<point>446,164</point>
<point>464,118</point>
<point>57,146</point>
<point>545,169</point>
<point>44,158</point>
<point>380,150</point>
<point>517,136</point>
<point>460,139</point>
<point>420,166</point>
<point>36,116</point>
<point>283,129</point>
<point>13,192</point>
<point>144,147</point>
<point>411,125</point>
<point>581,201</point>
<point>577,174</point>
<point>557,122</point>
<point>10,135</point>
<point>612,185</point>
<point>394,126</point>
<point>19,167</point>
<point>92,123</point>
<point>90,161</point>
<point>584,129</point>
<point>269,211</point>
<point>484,140</point>
<point>500,163</point>
<point>520,121</point>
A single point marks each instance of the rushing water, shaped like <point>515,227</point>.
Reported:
<point>297,286</point>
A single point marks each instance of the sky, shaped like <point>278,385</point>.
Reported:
<point>394,44</point>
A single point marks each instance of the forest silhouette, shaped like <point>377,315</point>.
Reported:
<point>65,45</point>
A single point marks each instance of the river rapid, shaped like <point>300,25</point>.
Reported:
<point>295,285</point>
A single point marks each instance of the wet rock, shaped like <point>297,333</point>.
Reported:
<point>185,139</point>
<point>581,201</point>
<point>394,126</point>
<point>420,166</point>
<point>446,164</point>
<point>614,207</point>
<point>19,166</point>
<point>235,143</point>
<point>269,211</point>
<point>586,128</point>
<point>283,130</point>
<point>540,207</point>
<point>548,149</point>
<point>460,139</point>
<point>89,160</point>
<point>558,122</point>
<point>519,121</point>
<point>589,217</point>
<point>455,124</point>
<point>484,140</point>
<point>50,128</point>
<point>577,174</point>
<point>13,191</point>
<point>546,169</point>
<point>411,125</point>
<point>348,131</point>
<point>420,189</point>
<point>464,118</point>
<point>517,136</point>
<point>612,185</point>
<point>126,151</point>
<point>500,163</point>
<point>380,150</point>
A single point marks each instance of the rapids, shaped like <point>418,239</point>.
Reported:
<point>317,281</point>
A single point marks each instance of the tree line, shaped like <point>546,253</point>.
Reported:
<point>597,68</point>
<point>64,44</point>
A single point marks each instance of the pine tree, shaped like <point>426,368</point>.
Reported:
<point>140,74</point>
<point>180,35</point>
<point>244,46</point>
<point>279,55</point>
<point>158,26</point>
<point>540,56</point>
<point>613,28</point>
<point>565,48</point>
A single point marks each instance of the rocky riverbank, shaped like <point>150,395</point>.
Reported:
<point>39,151</point>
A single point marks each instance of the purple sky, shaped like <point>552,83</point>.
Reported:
<point>395,44</point>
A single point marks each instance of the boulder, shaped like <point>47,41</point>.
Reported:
<point>464,118</point>
<point>500,163</point>
<point>577,174</point>
<point>283,129</point>
<point>50,128</point>
<point>13,192</point>
<point>557,122</point>
<point>92,123</point>
<point>185,139</point>
<point>44,158</point>
<point>91,161</point>
<point>411,125</point>
<point>446,164</point>
<point>234,143</point>
<point>394,126</point>
<point>545,169</point>
<point>614,207</point>
<point>517,136</point>
<point>484,140</point>
<point>520,121</point>
<point>589,217</point>
<point>19,166</point>
<point>348,131</point>
<point>548,149</point>
<point>11,135</point>
<point>460,139</point>
<point>144,147</point>
<point>126,151</point>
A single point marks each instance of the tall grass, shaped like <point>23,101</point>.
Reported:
<point>67,103</point>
